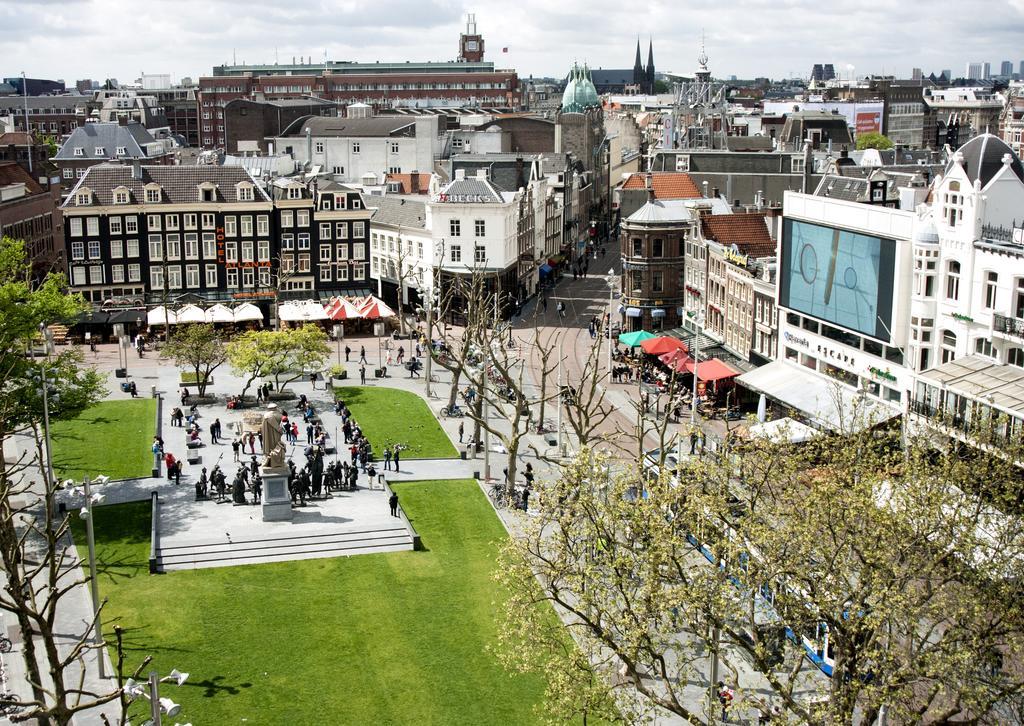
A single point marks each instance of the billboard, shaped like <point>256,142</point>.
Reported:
<point>838,276</point>
<point>869,121</point>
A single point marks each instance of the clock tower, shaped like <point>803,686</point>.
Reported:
<point>471,44</point>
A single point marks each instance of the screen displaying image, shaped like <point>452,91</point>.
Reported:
<point>838,276</point>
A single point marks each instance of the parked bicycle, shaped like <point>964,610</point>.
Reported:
<point>453,411</point>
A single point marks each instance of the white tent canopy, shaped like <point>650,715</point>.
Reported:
<point>784,429</point>
<point>219,313</point>
<point>158,316</point>
<point>246,312</point>
<point>292,312</point>
<point>190,314</point>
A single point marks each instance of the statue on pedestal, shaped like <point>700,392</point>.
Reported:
<point>238,489</point>
<point>273,448</point>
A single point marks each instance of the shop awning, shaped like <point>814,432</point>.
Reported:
<point>159,316</point>
<point>657,313</point>
<point>546,269</point>
<point>219,313</point>
<point>632,340</point>
<point>825,402</point>
<point>712,370</point>
<point>130,317</point>
<point>633,312</point>
<point>676,360</point>
<point>341,309</point>
<point>374,308</point>
<point>189,314</point>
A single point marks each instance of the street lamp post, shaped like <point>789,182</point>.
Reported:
<point>93,581</point>
<point>431,301</point>
<point>608,325</point>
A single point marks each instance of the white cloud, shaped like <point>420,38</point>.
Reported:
<point>110,38</point>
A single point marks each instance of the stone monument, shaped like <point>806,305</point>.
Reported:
<point>277,503</point>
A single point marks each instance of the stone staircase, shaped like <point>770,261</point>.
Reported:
<point>249,551</point>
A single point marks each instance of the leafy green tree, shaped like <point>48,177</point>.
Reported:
<point>889,550</point>
<point>283,355</point>
<point>198,347</point>
<point>873,140</point>
<point>33,534</point>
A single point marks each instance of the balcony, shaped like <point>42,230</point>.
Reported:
<point>1008,325</point>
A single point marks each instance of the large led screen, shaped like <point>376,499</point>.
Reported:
<point>838,276</point>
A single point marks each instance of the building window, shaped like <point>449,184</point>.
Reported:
<point>657,281</point>
<point>152,195</point>
<point>191,275</point>
<point>209,221</point>
<point>94,249</point>
<point>339,202</point>
<point>343,273</point>
<point>325,253</point>
<point>984,347</point>
<point>287,218</point>
<point>455,227</point>
<point>245,194</point>
<point>359,271</point>
<point>131,225</point>
<point>156,247</point>
<point>304,263</point>
<point>991,280</point>
<point>341,230</point>
<point>394,147</point>
<point>247,251</point>
<point>248,277</point>
<point>325,230</point>
<point>191,246</point>
<point>75,226</point>
<point>69,173</point>
<point>319,147</point>
<point>209,245</point>
<point>303,240</point>
<point>342,252</point>
<point>456,253</point>
<point>117,273</point>
<point>952,281</point>
<point>211,275</point>
<point>948,346</point>
<point>480,254</point>
<point>246,227</point>
<point>132,247</point>
<point>264,277</point>
<point>1015,357</point>
<point>302,218</point>
<point>1018,301</point>
<point>263,251</point>
<point>327,202</point>
<point>638,247</point>
<point>355,147</point>
<point>153,222</point>
<point>115,225</point>
<point>156,278</point>
<point>77,250</point>
<point>84,199</point>
<point>134,273</point>
<point>262,225</point>
<point>96,275</point>
<point>116,249</point>
<point>232,277</point>
<point>121,197</point>
<point>172,222</point>
<point>359,251</point>
<point>480,228</point>
<point>173,247</point>
<point>358,230</point>
<point>325,273</point>
<point>77,275</point>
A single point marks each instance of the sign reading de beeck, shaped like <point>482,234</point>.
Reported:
<point>463,198</point>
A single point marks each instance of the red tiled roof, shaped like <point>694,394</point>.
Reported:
<point>406,181</point>
<point>11,173</point>
<point>666,185</point>
<point>747,230</point>
<point>18,138</point>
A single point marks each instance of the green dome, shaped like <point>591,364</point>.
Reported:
<point>579,93</point>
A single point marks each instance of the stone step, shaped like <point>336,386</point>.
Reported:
<point>252,551</point>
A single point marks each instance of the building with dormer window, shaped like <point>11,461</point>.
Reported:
<point>99,143</point>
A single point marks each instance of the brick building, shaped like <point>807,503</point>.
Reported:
<point>29,212</point>
<point>380,85</point>
<point>249,124</point>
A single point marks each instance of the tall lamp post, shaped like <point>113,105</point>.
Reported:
<point>612,285</point>
<point>45,382</point>
<point>432,299</point>
<point>94,587</point>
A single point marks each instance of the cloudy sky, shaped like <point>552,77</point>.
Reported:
<point>96,39</point>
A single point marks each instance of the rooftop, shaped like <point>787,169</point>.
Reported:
<point>406,182</point>
<point>748,231</point>
<point>12,173</point>
<point>107,137</point>
<point>352,127</point>
<point>179,184</point>
<point>982,379</point>
<point>666,185</point>
<point>397,210</point>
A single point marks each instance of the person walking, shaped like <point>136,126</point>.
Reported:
<point>462,430</point>
<point>362,374</point>
<point>312,380</point>
<point>362,354</point>
<point>295,432</point>
<point>393,503</point>
<point>725,697</point>
<point>309,433</point>
<point>213,433</point>
<point>348,352</point>
<point>387,458</point>
<point>401,354</point>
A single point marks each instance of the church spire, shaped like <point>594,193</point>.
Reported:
<point>650,66</point>
<point>639,75</point>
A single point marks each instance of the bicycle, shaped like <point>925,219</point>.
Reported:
<point>452,412</point>
<point>498,496</point>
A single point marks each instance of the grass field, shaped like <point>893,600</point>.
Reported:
<point>112,438</point>
<point>388,416</point>
<point>395,638</point>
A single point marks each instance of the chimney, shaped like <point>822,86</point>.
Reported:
<point>309,145</point>
<point>649,186</point>
<point>414,182</point>
<point>520,178</point>
<point>460,174</point>
<point>714,192</point>
<point>481,174</point>
<point>704,184</point>
<point>136,169</point>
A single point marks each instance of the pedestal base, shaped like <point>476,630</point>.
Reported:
<point>277,503</point>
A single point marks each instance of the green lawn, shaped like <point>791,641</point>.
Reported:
<point>395,638</point>
<point>114,438</point>
<point>388,416</point>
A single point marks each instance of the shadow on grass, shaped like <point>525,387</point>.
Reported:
<point>215,686</point>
